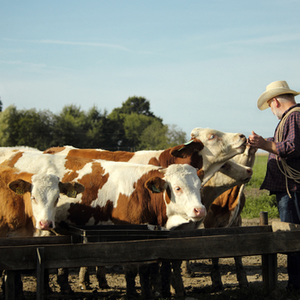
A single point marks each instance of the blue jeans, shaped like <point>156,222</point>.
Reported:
<point>289,211</point>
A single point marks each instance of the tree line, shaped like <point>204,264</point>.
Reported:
<point>130,127</point>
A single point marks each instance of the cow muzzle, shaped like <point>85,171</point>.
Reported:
<point>46,225</point>
<point>200,212</point>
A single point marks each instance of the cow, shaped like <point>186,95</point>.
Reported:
<point>107,189</point>
<point>208,149</point>
<point>225,211</point>
<point>224,199</point>
<point>121,193</point>
<point>219,146</point>
<point>28,203</point>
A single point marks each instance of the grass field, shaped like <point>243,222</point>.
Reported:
<point>259,200</point>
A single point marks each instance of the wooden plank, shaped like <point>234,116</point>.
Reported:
<point>9,282</point>
<point>284,226</point>
<point>40,273</point>
<point>219,231</point>
<point>17,241</point>
<point>106,253</point>
<point>269,271</point>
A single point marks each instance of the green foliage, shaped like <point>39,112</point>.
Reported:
<point>259,200</point>
<point>131,127</point>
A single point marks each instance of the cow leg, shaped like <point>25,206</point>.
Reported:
<point>155,279</point>
<point>47,288</point>
<point>176,279</point>
<point>240,272</point>
<point>130,274</point>
<point>144,272</point>
<point>216,275</point>
<point>101,276</point>
<point>84,278</point>
<point>187,269</point>
<point>165,274</point>
<point>63,282</point>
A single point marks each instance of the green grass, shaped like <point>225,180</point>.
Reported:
<point>259,200</point>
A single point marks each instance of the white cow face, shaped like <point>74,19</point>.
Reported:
<point>44,194</point>
<point>230,175</point>
<point>218,147</point>
<point>182,195</point>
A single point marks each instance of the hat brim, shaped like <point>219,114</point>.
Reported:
<point>262,102</point>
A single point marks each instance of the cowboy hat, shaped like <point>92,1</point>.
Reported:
<point>274,89</point>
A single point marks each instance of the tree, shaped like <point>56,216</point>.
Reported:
<point>102,132</point>
<point>25,128</point>
<point>8,126</point>
<point>35,128</point>
<point>125,117</point>
<point>0,105</point>
<point>69,127</point>
<point>139,105</point>
<point>158,137</point>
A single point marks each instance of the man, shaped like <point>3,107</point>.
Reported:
<point>283,168</point>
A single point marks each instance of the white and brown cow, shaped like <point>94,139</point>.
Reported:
<point>225,211</point>
<point>224,199</point>
<point>216,142</point>
<point>121,193</point>
<point>112,189</point>
<point>208,152</point>
<point>28,204</point>
<point>28,201</point>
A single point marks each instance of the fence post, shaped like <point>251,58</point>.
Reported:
<point>9,285</point>
<point>269,261</point>
<point>40,273</point>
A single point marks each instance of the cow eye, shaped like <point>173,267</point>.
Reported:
<point>177,188</point>
<point>33,199</point>
<point>56,201</point>
<point>212,137</point>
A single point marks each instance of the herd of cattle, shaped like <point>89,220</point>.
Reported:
<point>200,182</point>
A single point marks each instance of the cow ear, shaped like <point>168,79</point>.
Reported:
<point>237,193</point>
<point>20,186</point>
<point>187,149</point>
<point>155,184</point>
<point>71,189</point>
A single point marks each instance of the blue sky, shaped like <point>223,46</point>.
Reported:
<point>199,63</point>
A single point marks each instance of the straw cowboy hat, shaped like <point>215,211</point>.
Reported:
<point>274,89</point>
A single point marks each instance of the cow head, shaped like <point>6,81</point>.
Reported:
<point>181,186</point>
<point>235,171</point>
<point>218,147</point>
<point>44,193</point>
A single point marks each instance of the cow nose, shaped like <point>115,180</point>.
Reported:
<point>200,212</point>
<point>46,225</point>
<point>249,171</point>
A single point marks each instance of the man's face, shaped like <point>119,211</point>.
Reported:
<point>275,110</point>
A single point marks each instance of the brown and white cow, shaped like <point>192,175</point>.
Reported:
<point>28,204</point>
<point>207,152</point>
<point>231,173</point>
<point>28,201</point>
<point>112,189</point>
<point>226,199</point>
<point>225,211</point>
<point>121,193</point>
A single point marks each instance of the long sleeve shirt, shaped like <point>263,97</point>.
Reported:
<point>289,149</point>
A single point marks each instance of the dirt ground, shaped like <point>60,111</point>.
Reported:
<point>196,287</point>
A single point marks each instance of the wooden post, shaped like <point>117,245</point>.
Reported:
<point>40,273</point>
<point>9,283</point>
<point>263,218</point>
<point>269,261</point>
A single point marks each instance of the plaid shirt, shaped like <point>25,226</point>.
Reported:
<point>289,149</point>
